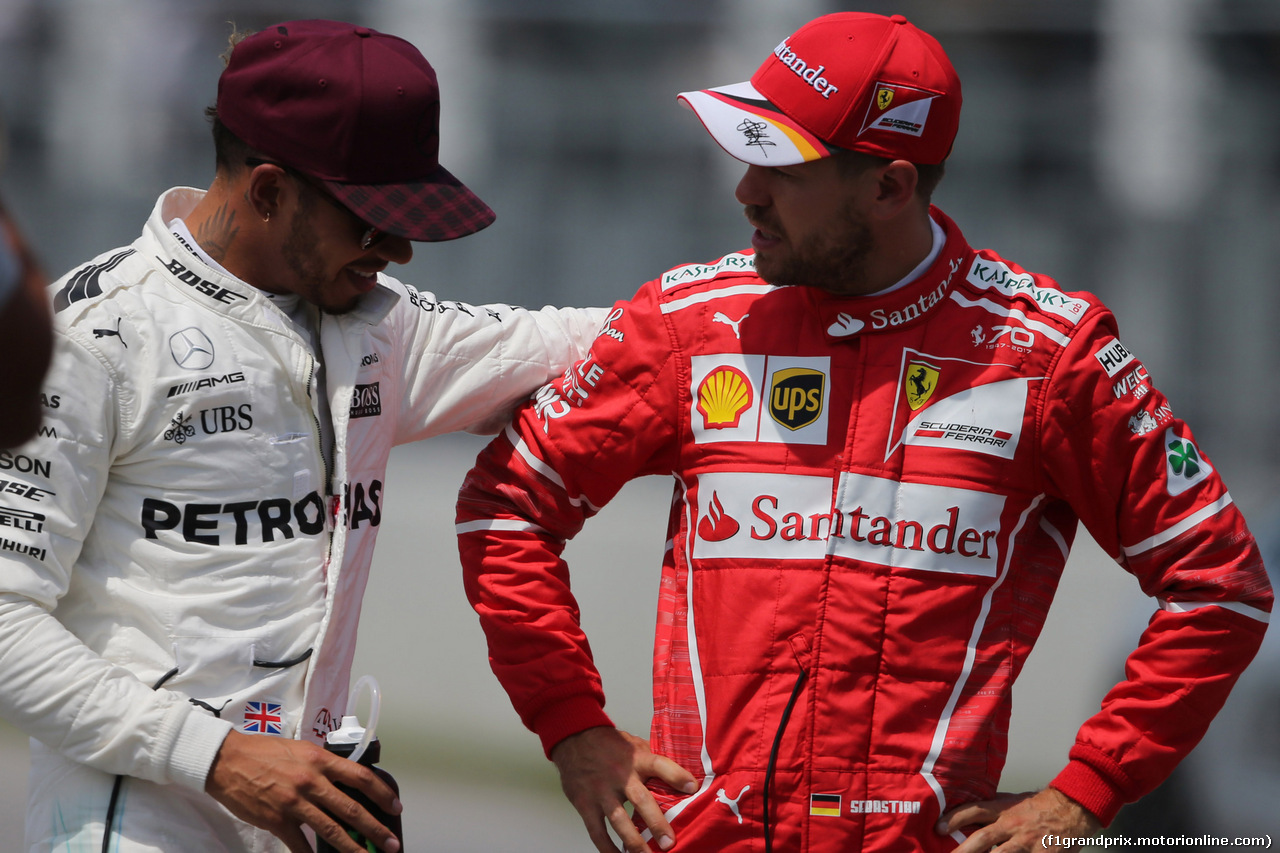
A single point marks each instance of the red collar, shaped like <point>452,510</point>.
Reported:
<point>845,316</point>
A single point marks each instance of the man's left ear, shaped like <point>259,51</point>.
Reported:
<point>898,183</point>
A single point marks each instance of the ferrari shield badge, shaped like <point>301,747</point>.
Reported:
<point>920,381</point>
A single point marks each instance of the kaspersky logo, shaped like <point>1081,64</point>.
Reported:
<point>997,276</point>
<point>734,262</point>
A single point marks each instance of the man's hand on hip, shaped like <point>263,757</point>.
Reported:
<point>1020,823</point>
<point>280,785</point>
<point>602,769</point>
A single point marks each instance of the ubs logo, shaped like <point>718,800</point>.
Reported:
<point>226,419</point>
<point>212,421</point>
<point>366,401</point>
<point>191,349</point>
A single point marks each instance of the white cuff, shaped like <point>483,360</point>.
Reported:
<point>197,744</point>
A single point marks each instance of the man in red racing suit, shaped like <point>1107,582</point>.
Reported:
<point>875,497</point>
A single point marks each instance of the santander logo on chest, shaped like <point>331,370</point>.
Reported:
<point>755,515</point>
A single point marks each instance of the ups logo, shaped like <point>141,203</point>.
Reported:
<point>796,396</point>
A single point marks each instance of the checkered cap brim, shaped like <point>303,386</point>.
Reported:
<point>433,210</point>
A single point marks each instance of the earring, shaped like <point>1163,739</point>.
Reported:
<point>266,217</point>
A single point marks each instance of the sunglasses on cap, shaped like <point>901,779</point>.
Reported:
<point>371,236</point>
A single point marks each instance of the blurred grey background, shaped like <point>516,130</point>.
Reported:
<point>1126,147</point>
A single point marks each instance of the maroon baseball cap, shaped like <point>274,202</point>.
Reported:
<point>359,111</point>
<point>849,80</point>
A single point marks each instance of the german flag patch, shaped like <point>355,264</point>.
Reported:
<point>827,805</point>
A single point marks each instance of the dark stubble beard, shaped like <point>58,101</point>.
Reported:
<point>834,261</point>
<point>301,254</point>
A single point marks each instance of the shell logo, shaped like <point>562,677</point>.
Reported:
<point>723,397</point>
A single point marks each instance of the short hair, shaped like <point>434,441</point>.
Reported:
<point>229,150</point>
<point>929,175</point>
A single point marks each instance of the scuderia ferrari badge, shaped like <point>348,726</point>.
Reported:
<point>919,382</point>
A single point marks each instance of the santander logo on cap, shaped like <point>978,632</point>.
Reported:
<point>804,71</point>
<point>883,87</point>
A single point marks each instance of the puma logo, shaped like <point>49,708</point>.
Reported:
<point>103,333</point>
<point>733,324</point>
<point>217,712</point>
<point>722,796</point>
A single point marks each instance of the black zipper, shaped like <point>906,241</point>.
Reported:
<point>119,782</point>
<point>773,757</point>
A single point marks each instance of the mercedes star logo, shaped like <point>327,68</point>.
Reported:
<point>191,349</point>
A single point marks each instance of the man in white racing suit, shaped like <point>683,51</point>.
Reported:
<point>185,544</point>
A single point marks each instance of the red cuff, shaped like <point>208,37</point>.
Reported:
<point>1091,789</point>
<point>575,714</point>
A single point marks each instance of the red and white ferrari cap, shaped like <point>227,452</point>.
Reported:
<point>849,80</point>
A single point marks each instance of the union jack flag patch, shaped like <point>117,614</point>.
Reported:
<point>263,718</point>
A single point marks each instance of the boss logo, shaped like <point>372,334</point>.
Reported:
<point>366,401</point>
